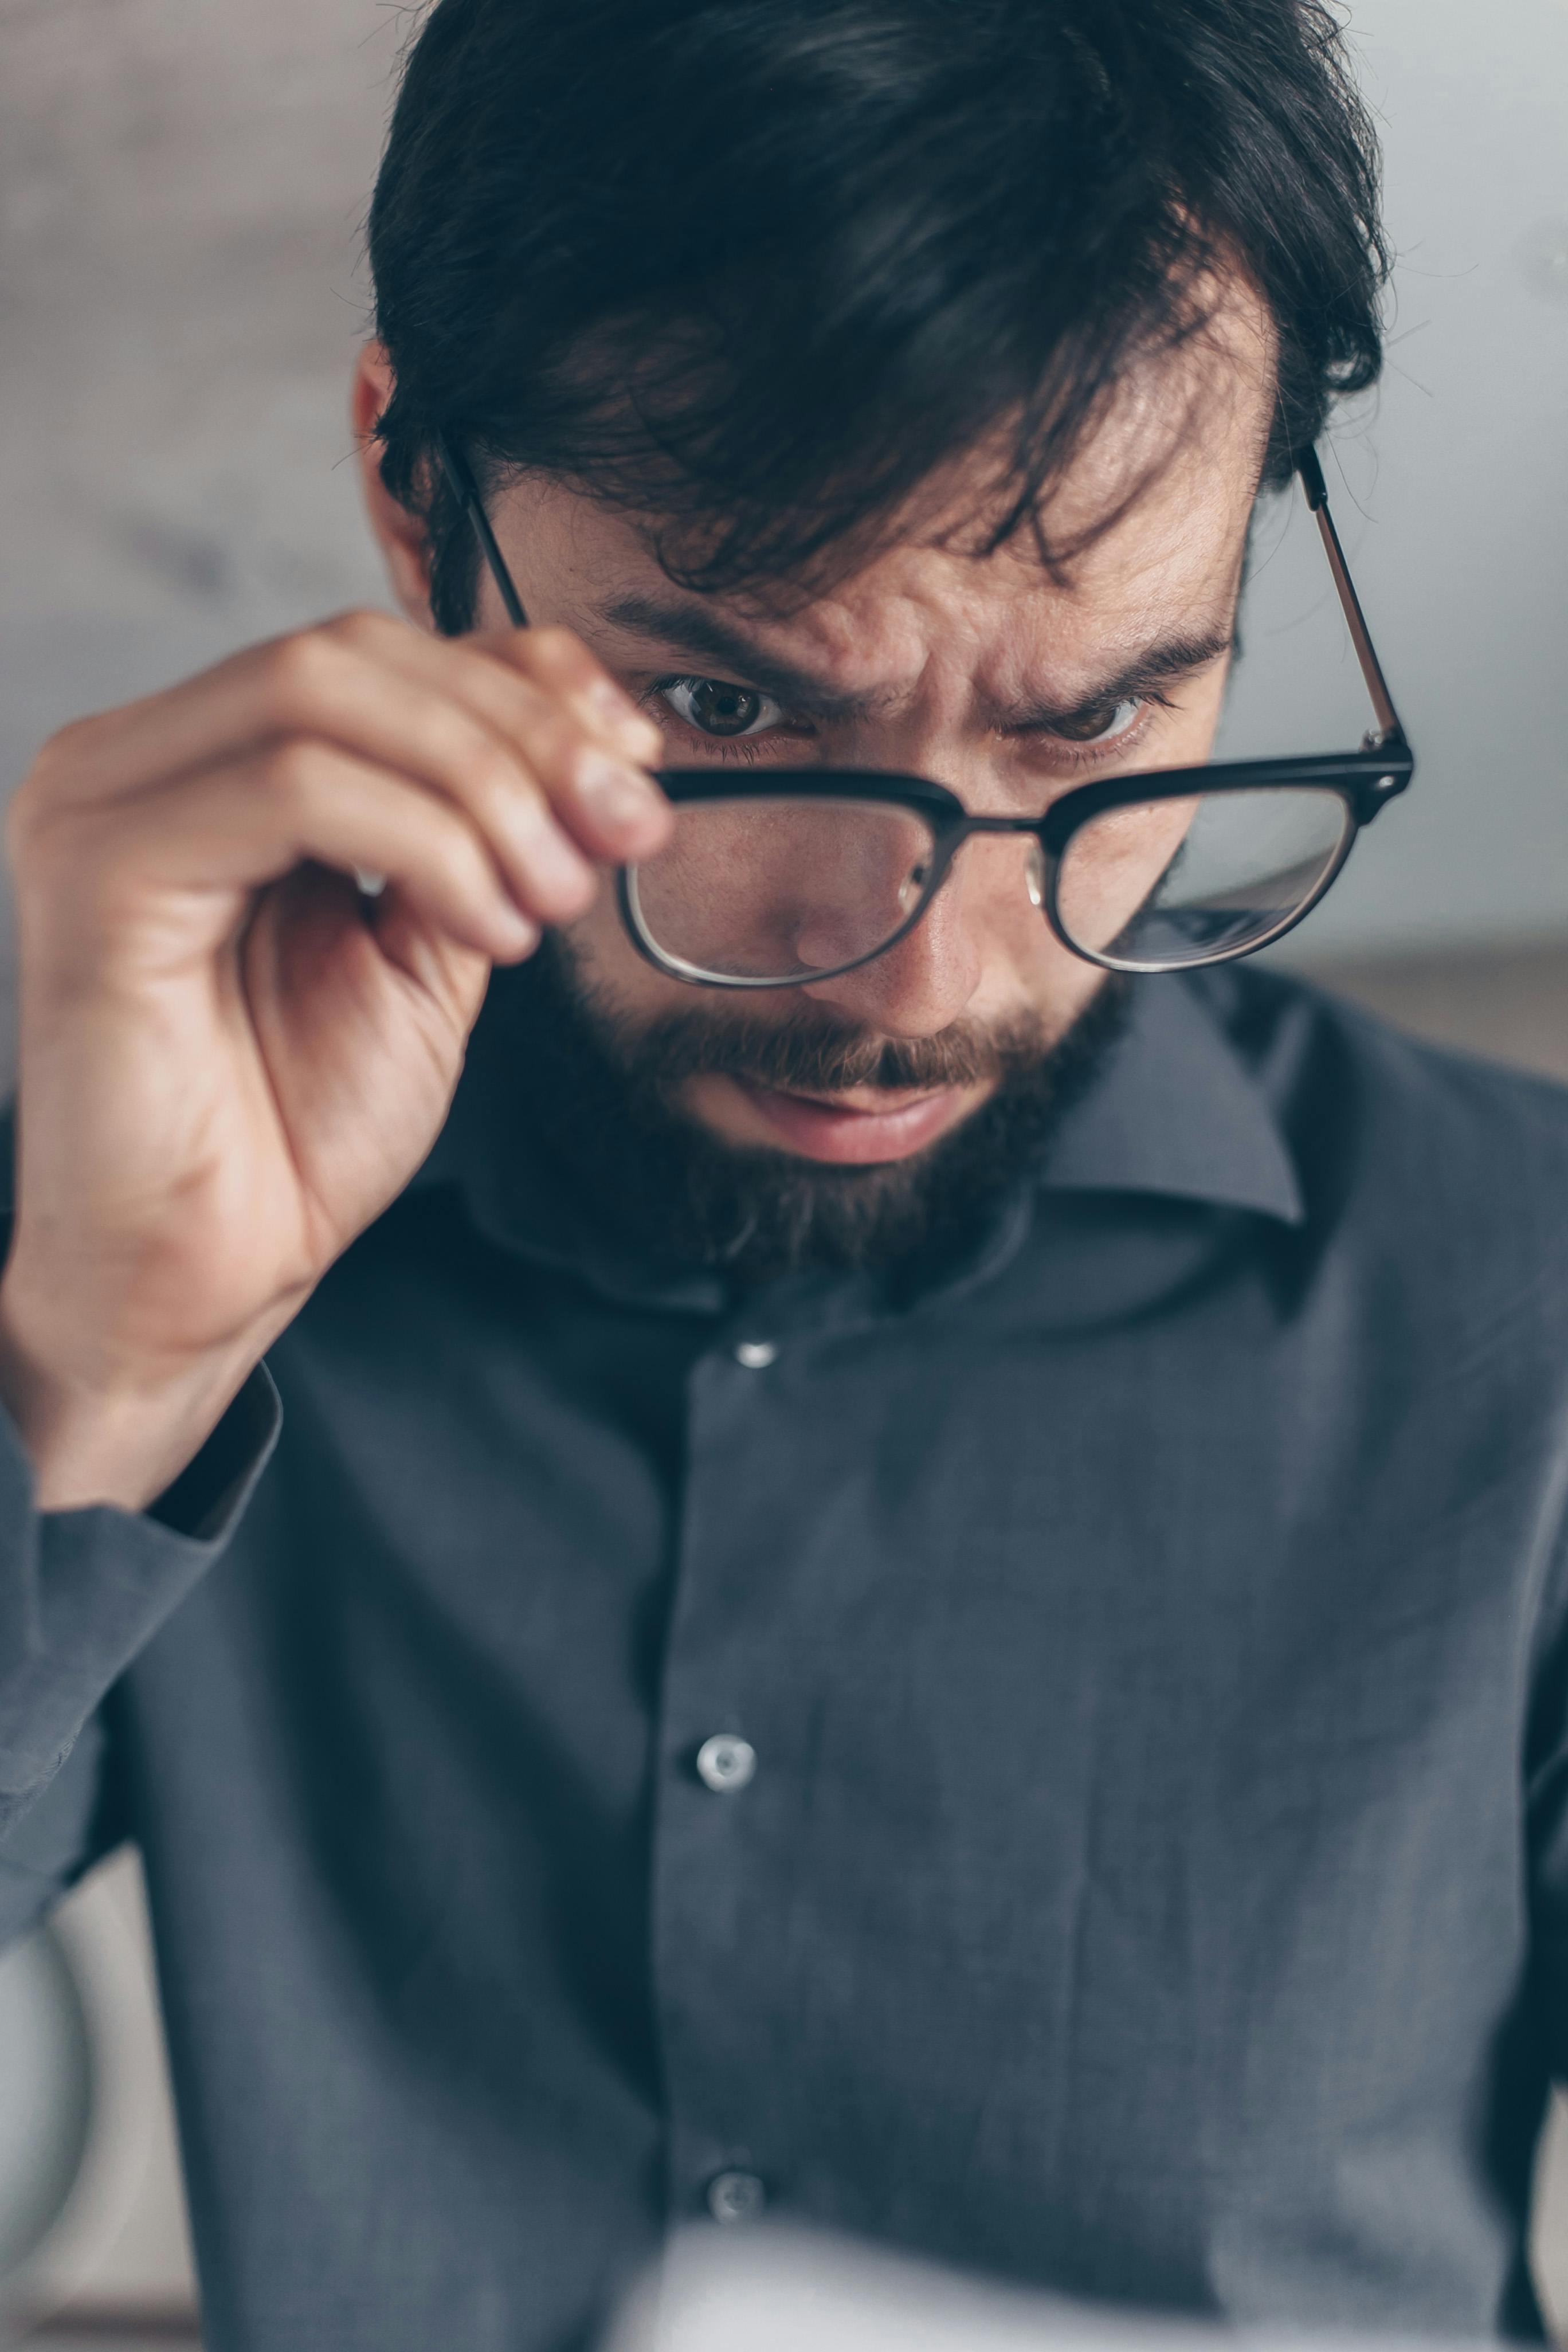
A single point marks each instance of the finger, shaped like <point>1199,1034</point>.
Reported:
<point>578,733</point>
<point>454,716</point>
<point>544,693</point>
<point>428,955</point>
<point>557,659</point>
<point>249,822</point>
<point>273,688</point>
<point>603,797</point>
<point>541,691</point>
<point>313,901</point>
<point>340,699</point>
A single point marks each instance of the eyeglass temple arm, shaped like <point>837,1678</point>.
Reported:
<point>1312,482</point>
<point>466,492</point>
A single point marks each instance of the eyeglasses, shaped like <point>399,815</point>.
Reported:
<point>797,874</point>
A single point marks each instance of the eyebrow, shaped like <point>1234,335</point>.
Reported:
<point>692,629</point>
<point>1171,658</point>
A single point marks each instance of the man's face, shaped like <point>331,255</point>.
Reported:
<point>989,675</point>
<point>986,675</point>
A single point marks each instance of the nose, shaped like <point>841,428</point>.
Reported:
<point>925,984</point>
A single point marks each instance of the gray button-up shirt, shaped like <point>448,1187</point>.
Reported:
<point>1066,1769</point>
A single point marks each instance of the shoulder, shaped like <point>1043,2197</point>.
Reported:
<point>1439,1155</point>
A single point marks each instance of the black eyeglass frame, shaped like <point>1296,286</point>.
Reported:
<point>1365,780</point>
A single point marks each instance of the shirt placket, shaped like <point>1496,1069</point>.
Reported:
<point>723,1784</point>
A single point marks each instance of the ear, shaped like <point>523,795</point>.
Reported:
<point>399,534</point>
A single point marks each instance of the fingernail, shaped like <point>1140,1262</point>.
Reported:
<point>618,796</point>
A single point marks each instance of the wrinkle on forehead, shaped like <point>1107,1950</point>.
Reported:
<point>1175,465</point>
<point>926,618</point>
<point>1158,496</point>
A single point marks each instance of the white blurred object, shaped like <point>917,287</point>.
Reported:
<point>118,2244</point>
<point>45,2066</point>
<point>777,2290</point>
<point>92,2208</point>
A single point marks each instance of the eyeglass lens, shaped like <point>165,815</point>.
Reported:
<point>1168,883</point>
<point>764,891</point>
<point>780,890</point>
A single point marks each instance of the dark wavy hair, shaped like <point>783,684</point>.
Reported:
<point>759,267</point>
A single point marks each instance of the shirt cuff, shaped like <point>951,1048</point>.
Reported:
<point>82,1592</point>
<point>211,1490</point>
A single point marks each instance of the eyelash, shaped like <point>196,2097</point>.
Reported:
<point>745,746</point>
<point>1091,755</point>
<point>726,747</point>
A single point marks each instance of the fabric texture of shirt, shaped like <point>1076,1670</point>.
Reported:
<point>1151,1643</point>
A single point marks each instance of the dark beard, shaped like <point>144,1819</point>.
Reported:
<point>605,1087</point>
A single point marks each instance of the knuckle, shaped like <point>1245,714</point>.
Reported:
<point>300,668</point>
<point>494,782</point>
<point>552,639</point>
<point>545,726</point>
<point>551,739</point>
<point>363,626</point>
<point>457,857</point>
<point>291,772</point>
<point>464,749</point>
<point>560,654</point>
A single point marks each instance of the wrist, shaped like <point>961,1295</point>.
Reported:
<point>121,1439</point>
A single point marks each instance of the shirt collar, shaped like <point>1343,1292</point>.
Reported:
<point>1178,1112</point>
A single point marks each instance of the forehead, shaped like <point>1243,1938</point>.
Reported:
<point>1151,512</point>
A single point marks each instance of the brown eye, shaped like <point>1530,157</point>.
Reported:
<point>714,707</point>
<point>1101,724</point>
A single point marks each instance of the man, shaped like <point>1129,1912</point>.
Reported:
<point>920,1584</point>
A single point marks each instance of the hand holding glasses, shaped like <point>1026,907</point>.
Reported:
<point>774,880</point>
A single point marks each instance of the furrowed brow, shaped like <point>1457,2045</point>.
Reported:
<point>690,630</point>
<point>1172,658</point>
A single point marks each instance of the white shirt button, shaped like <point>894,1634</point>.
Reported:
<point>756,1354</point>
<point>726,1763</point>
<point>735,2197</point>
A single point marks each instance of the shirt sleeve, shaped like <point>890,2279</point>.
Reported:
<point>81,1592</point>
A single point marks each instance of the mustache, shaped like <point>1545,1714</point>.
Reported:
<point>803,1054</point>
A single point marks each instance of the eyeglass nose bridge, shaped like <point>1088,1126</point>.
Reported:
<point>1037,861</point>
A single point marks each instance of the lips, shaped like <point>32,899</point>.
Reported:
<point>850,1133</point>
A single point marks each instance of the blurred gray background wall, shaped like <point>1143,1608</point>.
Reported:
<point>182,186</point>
